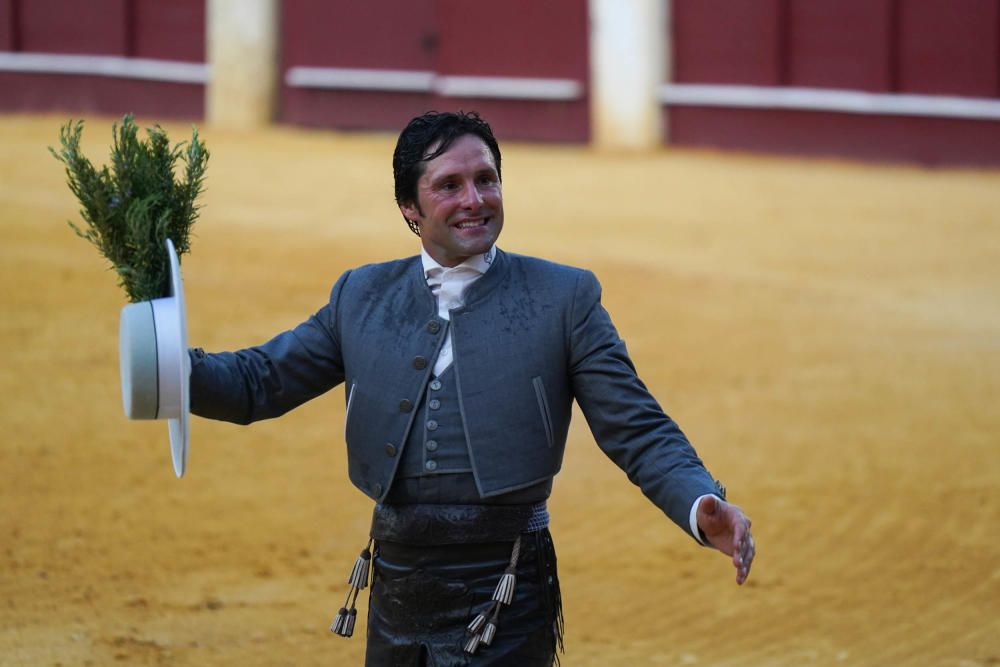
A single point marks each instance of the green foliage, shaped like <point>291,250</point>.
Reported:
<point>134,205</point>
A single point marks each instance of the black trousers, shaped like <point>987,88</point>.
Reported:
<point>422,599</point>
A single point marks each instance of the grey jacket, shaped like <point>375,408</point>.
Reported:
<point>532,337</point>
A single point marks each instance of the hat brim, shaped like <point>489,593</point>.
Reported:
<point>178,426</point>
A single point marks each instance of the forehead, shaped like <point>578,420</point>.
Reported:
<point>467,153</point>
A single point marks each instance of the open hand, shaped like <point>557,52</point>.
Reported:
<point>728,530</point>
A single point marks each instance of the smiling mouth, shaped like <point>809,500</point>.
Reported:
<point>472,223</point>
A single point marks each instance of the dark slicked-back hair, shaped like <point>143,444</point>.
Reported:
<point>439,130</point>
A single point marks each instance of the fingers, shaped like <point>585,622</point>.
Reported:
<point>730,519</point>
<point>744,553</point>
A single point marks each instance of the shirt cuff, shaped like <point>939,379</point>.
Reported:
<point>693,519</point>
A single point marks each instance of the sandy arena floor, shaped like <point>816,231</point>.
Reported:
<point>828,334</point>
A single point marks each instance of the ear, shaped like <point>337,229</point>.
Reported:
<point>410,211</point>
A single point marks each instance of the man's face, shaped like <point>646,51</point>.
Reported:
<point>459,205</point>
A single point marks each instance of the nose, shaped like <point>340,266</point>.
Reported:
<point>472,198</point>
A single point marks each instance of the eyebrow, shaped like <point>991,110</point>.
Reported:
<point>451,175</point>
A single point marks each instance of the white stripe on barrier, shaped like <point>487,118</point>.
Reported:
<point>404,81</point>
<point>508,87</point>
<point>111,66</point>
<point>819,99</point>
<point>419,81</point>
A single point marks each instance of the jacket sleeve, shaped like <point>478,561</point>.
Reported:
<point>268,380</point>
<point>626,421</point>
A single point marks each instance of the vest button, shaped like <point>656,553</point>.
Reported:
<point>436,385</point>
<point>433,326</point>
<point>431,425</point>
<point>405,405</point>
<point>420,363</point>
<point>431,465</point>
<point>434,404</point>
<point>378,490</point>
<point>431,445</point>
<point>390,449</point>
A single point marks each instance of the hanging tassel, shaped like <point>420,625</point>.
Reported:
<point>345,620</point>
<point>343,624</point>
<point>483,627</point>
<point>505,589</point>
<point>477,623</point>
<point>359,574</point>
<point>489,632</point>
<point>339,622</point>
<point>490,629</point>
<point>352,619</point>
<point>472,644</point>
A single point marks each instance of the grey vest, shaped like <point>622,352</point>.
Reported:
<point>437,440</point>
<point>435,466</point>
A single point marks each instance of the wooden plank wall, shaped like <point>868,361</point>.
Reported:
<point>926,47</point>
<point>173,31</point>
<point>516,38</point>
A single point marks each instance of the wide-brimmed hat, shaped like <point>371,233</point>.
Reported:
<point>155,368</point>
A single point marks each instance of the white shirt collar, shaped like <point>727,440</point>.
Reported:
<point>479,264</point>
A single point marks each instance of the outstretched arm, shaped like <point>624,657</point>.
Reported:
<point>727,528</point>
<point>269,380</point>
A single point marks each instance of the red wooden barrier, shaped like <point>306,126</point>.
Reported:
<point>950,47</point>
<point>376,34</point>
<point>890,49</point>
<point>173,30</point>
<point>519,38</point>
<point>79,56</point>
<point>55,26</point>
<point>8,20</point>
<point>844,44</point>
<point>727,41</point>
<point>462,50</point>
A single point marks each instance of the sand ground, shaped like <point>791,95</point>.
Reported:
<point>827,333</point>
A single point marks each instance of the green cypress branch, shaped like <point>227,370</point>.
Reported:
<point>133,206</point>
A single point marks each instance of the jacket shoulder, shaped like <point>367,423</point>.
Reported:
<point>537,268</point>
<point>385,270</point>
<point>367,276</point>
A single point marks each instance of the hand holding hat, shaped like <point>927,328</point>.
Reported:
<point>139,218</point>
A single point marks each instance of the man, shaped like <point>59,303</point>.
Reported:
<point>461,365</point>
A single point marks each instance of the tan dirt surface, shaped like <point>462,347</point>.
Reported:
<point>828,334</point>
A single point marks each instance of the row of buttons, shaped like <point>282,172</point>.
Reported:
<point>406,405</point>
<point>431,445</point>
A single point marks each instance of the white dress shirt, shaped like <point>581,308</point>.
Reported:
<point>449,285</point>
